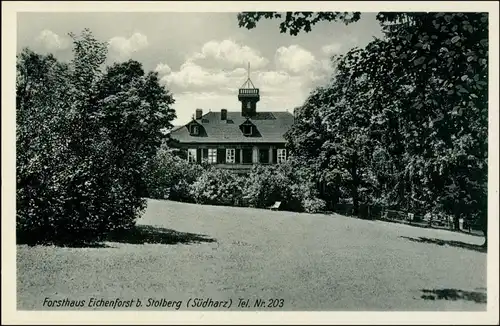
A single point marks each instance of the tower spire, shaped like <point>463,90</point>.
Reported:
<point>248,84</point>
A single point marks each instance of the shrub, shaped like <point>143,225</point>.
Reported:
<point>286,182</point>
<point>313,205</point>
<point>265,186</point>
<point>170,176</point>
<point>217,187</point>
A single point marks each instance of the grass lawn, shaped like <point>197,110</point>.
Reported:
<point>312,262</point>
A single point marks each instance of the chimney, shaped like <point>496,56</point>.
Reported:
<point>223,114</point>
<point>199,113</point>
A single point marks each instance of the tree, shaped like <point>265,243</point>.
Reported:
<point>421,97</point>
<point>81,144</point>
<point>135,109</point>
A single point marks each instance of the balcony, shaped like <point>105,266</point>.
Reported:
<point>248,93</point>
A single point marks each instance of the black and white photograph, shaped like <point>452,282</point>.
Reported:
<point>282,159</point>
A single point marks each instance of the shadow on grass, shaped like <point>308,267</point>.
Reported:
<point>142,234</point>
<point>139,234</point>
<point>454,295</point>
<point>451,243</point>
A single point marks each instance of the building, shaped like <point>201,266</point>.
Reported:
<point>235,140</point>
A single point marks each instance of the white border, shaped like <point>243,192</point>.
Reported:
<point>9,313</point>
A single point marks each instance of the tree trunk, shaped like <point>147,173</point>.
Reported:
<point>336,191</point>
<point>456,223</point>
<point>355,184</point>
<point>485,232</point>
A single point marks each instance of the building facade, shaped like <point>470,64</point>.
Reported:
<point>235,140</point>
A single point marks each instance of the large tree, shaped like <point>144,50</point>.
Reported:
<point>83,136</point>
<point>416,99</point>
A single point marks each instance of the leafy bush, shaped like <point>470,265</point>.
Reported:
<point>170,176</point>
<point>217,187</point>
<point>287,183</point>
<point>313,205</point>
<point>265,185</point>
<point>82,138</point>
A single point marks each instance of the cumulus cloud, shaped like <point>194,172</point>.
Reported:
<point>163,69</point>
<point>51,41</point>
<point>272,78</point>
<point>232,53</point>
<point>331,49</point>
<point>122,48</point>
<point>295,59</point>
<point>211,77</point>
<point>194,76</point>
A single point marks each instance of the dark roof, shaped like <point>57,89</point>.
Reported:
<point>270,128</point>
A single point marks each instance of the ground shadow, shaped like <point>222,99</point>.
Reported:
<point>453,294</point>
<point>451,243</point>
<point>139,234</point>
<point>142,234</point>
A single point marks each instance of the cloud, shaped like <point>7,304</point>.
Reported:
<point>272,78</point>
<point>295,59</point>
<point>51,41</point>
<point>194,76</point>
<point>231,53</point>
<point>331,49</point>
<point>122,48</point>
<point>163,69</point>
<point>210,77</point>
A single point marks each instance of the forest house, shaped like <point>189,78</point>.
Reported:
<point>235,140</point>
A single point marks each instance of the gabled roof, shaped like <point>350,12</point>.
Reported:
<point>270,128</point>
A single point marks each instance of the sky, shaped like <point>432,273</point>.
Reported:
<point>202,58</point>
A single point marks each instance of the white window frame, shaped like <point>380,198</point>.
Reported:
<point>249,130</point>
<point>281,155</point>
<point>195,130</point>
<point>230,155</point>
<point>192,153</point>
<point>212,155</point>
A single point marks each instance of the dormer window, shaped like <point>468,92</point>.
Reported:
<point>247,130</point>
<point>195,130</point>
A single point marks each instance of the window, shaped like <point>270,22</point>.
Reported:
<point>281,155</point>
<point>247,156</point>
<point>192,155</point>
<point>230,155</point>
<point>212,155</point>
<point>194,130</point>
<point>264,156</point>
<point>247,130</point>
<point>249,105</point>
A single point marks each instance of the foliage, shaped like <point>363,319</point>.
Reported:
<point>313,205</point>
<point>265,186</point>
<point>286,183</point>
<point>403,122</point>
<point>170,176</point>
<point>217,187</point>
<point>80,143</point>
<point>295,22</point>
